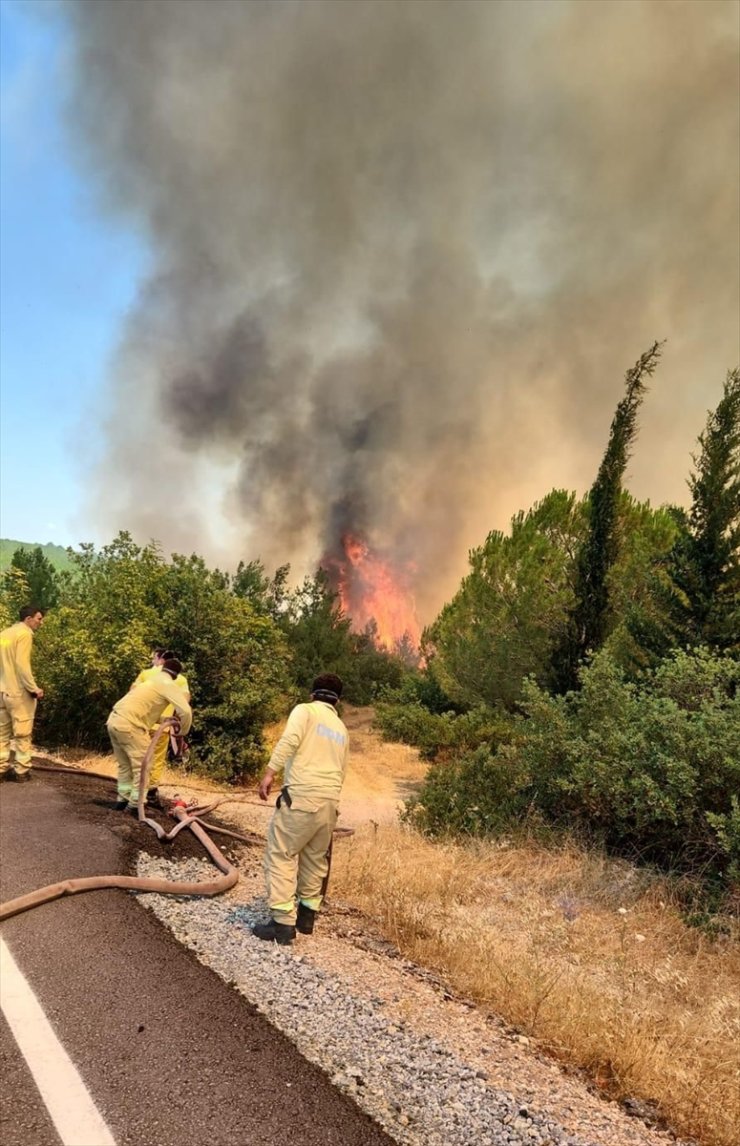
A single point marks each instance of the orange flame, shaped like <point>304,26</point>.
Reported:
<point>372,589</point>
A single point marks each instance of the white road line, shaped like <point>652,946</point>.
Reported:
<point>77,1120</point>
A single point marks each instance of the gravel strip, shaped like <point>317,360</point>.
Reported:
<point>410,1083</point>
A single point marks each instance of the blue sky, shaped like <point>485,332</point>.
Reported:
<point>67,278</point>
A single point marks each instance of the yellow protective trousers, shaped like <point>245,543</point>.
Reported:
<point>298,839</point>
<point>129,748</point>
<point>17,711</point>
<point>160,758</point>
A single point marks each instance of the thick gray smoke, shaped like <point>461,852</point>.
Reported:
<point>401,255</point>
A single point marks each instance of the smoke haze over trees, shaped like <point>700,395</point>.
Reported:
<point>399,254</point>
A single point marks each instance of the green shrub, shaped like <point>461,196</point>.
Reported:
<point>726,826</point>
<point>642,764</point>
<point>651,769</point>
<point>440,733</point>
<point>478,794</point>
<point>412,724</point>
<point>420,686</point>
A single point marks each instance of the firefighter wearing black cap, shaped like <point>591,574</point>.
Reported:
<point>313,752</point>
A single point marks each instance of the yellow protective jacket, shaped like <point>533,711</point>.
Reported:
<point>180,680</point>
<point>143,706</point>
<point>16,676</point>
<point>313,751</point>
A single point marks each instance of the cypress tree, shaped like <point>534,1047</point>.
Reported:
<point>704,565</point>
<point>587,624</point>
<point>713,589</point>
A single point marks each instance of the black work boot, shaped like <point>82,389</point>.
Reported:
<point>120,805</point>
<point>282,933</point>
<point>306,919</point>
<point>22,777</point>
<point>152,797</point>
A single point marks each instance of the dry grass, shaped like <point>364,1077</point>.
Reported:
<point>82,758</point>
<point>579,952</point>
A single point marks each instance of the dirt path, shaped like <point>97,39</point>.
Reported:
<point>381,776</point>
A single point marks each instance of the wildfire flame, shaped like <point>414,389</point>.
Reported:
<point>372,589</point>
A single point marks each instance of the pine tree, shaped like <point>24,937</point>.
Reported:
<point>587,624</point>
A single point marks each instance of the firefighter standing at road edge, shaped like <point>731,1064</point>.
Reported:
<point>18,692</point>
<point>313,752</point>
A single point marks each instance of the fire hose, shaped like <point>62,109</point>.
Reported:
<point>186,817</point>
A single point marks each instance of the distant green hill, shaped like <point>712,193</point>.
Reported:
<point>57,554</point>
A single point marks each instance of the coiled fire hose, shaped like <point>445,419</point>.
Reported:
<point>186,817</point>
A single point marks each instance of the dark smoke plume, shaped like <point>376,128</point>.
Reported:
<point>401,256</point>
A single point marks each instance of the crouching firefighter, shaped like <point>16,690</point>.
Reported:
<point>159,760</point>
<point>131,719</point>
<point>313,751</point>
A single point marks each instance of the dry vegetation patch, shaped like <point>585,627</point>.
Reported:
<point>582,953</point>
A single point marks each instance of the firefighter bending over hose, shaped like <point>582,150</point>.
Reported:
<point>18,693</point>
<point>159,656</point>
<point>313,751</point>
<point>131,719</point>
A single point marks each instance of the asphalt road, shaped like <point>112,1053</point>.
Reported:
<point>171,1055</point>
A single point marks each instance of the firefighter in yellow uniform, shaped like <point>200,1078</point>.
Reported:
<point>132,719</point>
<point>18,693</point>
<point>313,752</point>
<point>159,656</point>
